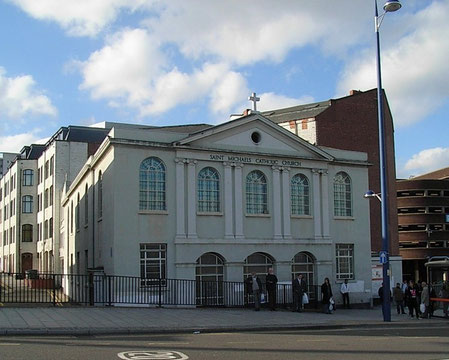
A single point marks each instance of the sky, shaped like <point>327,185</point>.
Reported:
<point>154,62</point>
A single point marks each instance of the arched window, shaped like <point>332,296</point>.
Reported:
<point>208,190</point>
<point>27,233</point>
<point>86,205</point>
<point>27,179</point>
<point>152,185</point>
<point>342,195</point>
<point>304,263</point>
<point>209,279</point>
<point>27,204</point>
<point>256,193</point>
<point>300,195</point>
<point>259,263</point>
<point>100,195</point>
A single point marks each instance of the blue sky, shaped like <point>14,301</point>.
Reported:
<point>80,62</point>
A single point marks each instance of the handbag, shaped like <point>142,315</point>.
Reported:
<point>305,298</point>
<point>422,307</point>
<point>262,298</point>
<point>331,301</point>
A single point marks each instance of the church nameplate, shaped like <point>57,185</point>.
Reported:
<point>254,160</point>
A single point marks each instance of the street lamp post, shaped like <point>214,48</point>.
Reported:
<point>389,6</point>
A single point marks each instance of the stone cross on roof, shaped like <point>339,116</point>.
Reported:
<point>254,99</point>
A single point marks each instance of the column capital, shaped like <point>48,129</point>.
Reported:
<point>180,161</point>
<point>276,168</point>
<point>238,165</point>
<point>324,172</point>
<point>227,164</point>
<point>191,162</point>
<point>316,171</point>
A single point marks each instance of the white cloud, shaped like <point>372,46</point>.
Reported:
<point>427,160</point>
<point>130,70</point>
<point>272,101</point>
<point>19,97</point>
<point>124,67</point>
<point>243,32</point>
<point>79,17</point>
<point>14,143</point>
<point>414,70</point>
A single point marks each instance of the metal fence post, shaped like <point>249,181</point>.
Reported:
<point>91,289</point>
<point>54,289</point>
<point>160,293</point>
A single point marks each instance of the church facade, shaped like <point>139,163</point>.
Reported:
<point>217,203</point>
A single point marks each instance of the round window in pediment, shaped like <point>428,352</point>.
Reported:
<point>256,137</point>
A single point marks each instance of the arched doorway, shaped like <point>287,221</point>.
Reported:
<point>209,279</point>
<point>304,263</point>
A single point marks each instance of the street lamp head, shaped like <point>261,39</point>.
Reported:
<point>392,5</point>
<point>369,194</point>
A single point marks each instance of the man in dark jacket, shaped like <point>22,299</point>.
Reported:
<point>299,288</point>
<point>271,283</point>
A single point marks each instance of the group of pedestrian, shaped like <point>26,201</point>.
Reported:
<point>416,297</point>
<point>299,290</point>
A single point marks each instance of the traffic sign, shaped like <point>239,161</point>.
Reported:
<point>383,257</point>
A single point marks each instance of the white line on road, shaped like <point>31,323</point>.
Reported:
<point>9,344</point>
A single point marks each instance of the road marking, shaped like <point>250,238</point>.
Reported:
<point>152,355</point>
<point>169,343</point>
<point>9,344</point>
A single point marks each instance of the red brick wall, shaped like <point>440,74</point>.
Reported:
<point>351,124</point>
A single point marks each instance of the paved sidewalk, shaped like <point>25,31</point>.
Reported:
<point>119,320</point>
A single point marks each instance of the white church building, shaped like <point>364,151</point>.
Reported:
<point>216,203</point>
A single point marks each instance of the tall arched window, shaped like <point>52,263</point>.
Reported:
<point>27,204</point>
<point>100,195</point>
<point>300,195</point>
<point>152,185</point>
<point>342,195</point>
<point>208,190</point>
<point>256,193</point>
<point>209,277</point>
<point>27,179</point>
<point>86,205</point>
<point>304,263</point>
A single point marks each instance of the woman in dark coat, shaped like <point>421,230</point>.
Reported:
<point>326,294</point>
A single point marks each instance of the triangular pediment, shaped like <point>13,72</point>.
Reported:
<point>255,134</point>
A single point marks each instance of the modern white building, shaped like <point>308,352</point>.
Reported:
<point>216,203</point>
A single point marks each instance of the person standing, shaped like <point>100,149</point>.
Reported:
<point>412,298</point>
<point>404,287</point>
<point>444,294</point>
<point>380,292</point>
<point>326,295</point>
<point>425,300</point>
<point>344,289</point>
<point>398,297</point>
<point>271,283</point>
<point>254,286</point>
<point>299,288</point>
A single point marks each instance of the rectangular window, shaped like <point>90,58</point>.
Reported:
<point>27,233</point>
<point>46,199</point>
<point>51,195</point>
<point>345,261</point>
<point>46,169</point>
<point>52,164</point>
<point>153,263</point>
<point>46,229</point>
<point>50,234</point>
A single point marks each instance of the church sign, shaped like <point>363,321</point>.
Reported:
<point>254,160</point>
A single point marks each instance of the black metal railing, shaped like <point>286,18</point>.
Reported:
<point>99,289</point>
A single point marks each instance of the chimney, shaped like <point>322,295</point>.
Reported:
<point>353,92</point>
